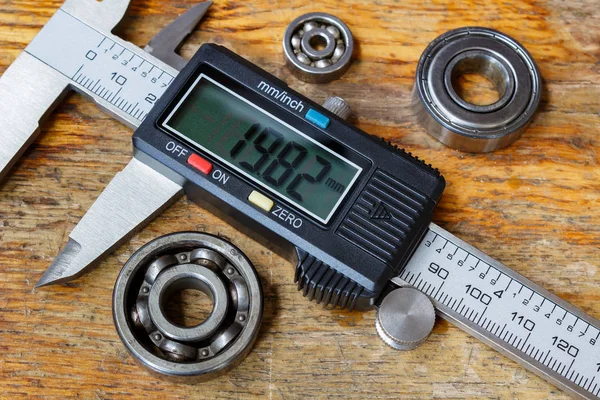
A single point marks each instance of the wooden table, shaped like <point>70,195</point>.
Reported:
<point>533,206</point>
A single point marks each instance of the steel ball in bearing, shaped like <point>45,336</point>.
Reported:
<point>446,116</point>
<point>318,47</point>
<point>177,262</point>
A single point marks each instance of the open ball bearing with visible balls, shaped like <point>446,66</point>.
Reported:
<point>318,47</point>
<point>463,125</point>
<point>174,263</point>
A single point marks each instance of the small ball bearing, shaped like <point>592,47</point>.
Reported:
<point>318,47</point>
<point>470,127</point>
<point>188,261</point>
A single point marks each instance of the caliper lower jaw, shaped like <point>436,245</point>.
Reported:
<point>29,91</point>
<point>133,198</point>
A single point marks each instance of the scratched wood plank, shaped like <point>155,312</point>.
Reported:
<point>533,206</point>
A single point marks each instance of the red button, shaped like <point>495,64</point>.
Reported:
<point>200,164</point>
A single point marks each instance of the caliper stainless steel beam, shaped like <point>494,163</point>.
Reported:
<point>77,51</point>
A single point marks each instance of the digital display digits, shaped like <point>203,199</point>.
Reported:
<point>263,148</point>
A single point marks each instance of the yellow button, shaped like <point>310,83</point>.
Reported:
<point>261,200</point>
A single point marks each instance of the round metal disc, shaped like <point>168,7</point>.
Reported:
<point>405,319</point>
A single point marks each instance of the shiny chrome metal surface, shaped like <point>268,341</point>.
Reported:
<point>318,47</point>
<point>173,263</point>
<point>405,318</point>
<point>468,127</point>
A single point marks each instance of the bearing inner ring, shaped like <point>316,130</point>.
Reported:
<point>484,63</point>
<point>315,36</point>
<point>181,261</point>
<point>187,276</point>
<point>446,116</point>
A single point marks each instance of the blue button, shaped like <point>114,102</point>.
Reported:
<point>317,118</point>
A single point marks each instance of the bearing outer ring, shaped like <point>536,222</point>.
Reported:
<point>310,73</point>
<point>232,346</point>
<point>464,126</point>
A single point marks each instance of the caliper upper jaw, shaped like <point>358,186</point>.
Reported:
<point>106,15</point>
<point>103,15</point>
<point>164,44</point>
<point>137,194</point>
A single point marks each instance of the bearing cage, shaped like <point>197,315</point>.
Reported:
<point>193,360</point>
<point>475,137</point>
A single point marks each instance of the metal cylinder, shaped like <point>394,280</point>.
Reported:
<point>318,47</point>
<point>173,263</point>
<point>446,116</point>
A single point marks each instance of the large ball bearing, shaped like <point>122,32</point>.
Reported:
<point>458,123</point>
<point>174,263</point>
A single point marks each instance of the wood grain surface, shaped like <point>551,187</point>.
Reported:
<point>534,206</point>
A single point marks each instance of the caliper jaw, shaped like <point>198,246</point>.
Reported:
<point>164,44</point>
<point>137,194</point>
<point>133,198</point>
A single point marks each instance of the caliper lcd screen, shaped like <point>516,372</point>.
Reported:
<point>262,147</point>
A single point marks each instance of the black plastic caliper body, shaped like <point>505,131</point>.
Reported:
<point>346,207</point>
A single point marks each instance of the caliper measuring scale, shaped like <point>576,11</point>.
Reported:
<point>76,50</point>
<point>226,132</point>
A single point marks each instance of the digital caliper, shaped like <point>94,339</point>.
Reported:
<point>346,208</point>
<point>351,211</point>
